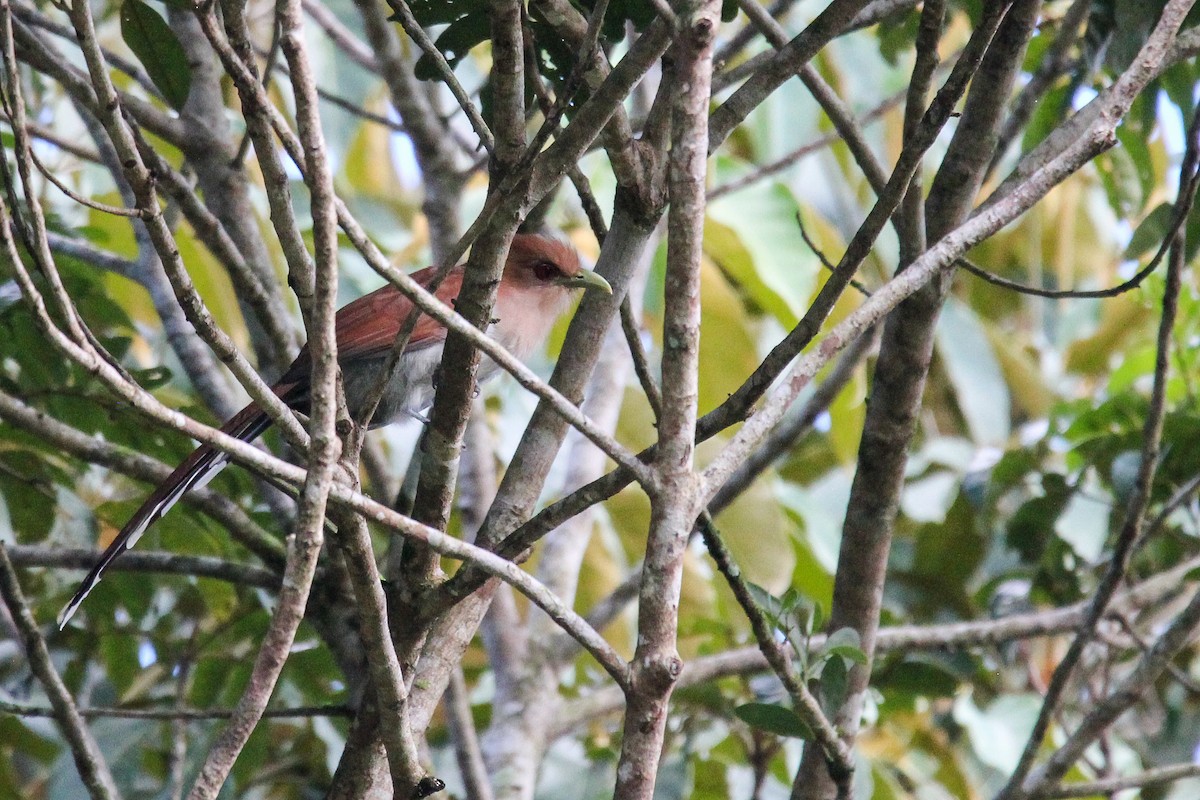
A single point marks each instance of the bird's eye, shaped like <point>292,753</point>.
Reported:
<point>546,270</point>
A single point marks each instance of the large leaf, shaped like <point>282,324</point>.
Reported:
<point>454,43</point>
<point>754,237</point>
<point>159,50</point>
<point>998,731</point>
<point>773,719</point>
<point>975,373</point>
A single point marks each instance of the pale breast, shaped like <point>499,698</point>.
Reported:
<point>409,392</point>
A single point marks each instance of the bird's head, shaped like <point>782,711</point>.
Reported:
<point>550,269</point>
<point>541,277</point>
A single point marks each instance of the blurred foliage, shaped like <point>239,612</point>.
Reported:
<point>1027,449</point>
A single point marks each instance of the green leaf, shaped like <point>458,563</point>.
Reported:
<point>454,44</point>
<point>771,607</point>
<point>755,239</point>
<point>159,50</point>
<point>816,619</point>
<point>897,33</point>
<point>773,719</point>
<point>1150,232</point>
<point>1046,116</point>
<point>440,12</point>
<point>845,642</point>
<point>1178,82</point>
<point>152,378</point>
<point>834,681</point>
<point>1119,176</point>
<point>1083,524</point>
<point>975,373</point>
<point>921,675</point>
<point>1032,526</point>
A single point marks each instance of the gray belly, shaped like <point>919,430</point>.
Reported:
<point>409,392</point>
<point>411,389</point>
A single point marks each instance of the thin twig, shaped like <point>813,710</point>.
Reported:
<point>1105,711</point>
<point>839,757</point>
<point>855,283</point>
<point>174,713</point>
<point>74,148</point>
<point>342,36</point>
<point>1110,787</point>
<point>1134,522</point>
<point>1060,294</point>
<point>404,15</point>
<point>902,638</point>
<point>93,770</point>
<point>104,208</point>
<point>160,562</point>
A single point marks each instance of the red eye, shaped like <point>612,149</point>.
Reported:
<point>545,270</point>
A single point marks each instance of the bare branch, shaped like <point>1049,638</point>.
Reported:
<point>1135,511</point>
<point>1112,786</point>
<point>901,638</point>
<point>163,562</point>
<point>324,445</point>
<point>787,62</point>
<point>466,740</point>
<point>174,713</point>
<point>342,36</point>
<point>88,758</point>
<point>673,494</point>
<point>387,675</point>
<point>404,16</point>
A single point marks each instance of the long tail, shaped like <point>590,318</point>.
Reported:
<point>196,470</point>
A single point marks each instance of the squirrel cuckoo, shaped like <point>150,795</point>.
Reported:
<point>540,277</point>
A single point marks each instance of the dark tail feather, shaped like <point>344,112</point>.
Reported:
<point>196,470</point>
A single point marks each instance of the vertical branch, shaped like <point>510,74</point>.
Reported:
<point>88,759</point>
<point>177,755</point>
<point>634,219</point>
<point>500,632</point>
<point>387,676</point>
<point>466,740</point>
<point>911,215</point>
<point>237,56</point>
<point>481,279</point>
<point>527,702</point>
<point>905,355</point>
<point>1054,63</point>
<point>324,445</point>
<point>673,498</point>
<point>225,185</point>
<point>430,136</point>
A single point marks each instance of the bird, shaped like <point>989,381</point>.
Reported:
<point>540,278</point>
